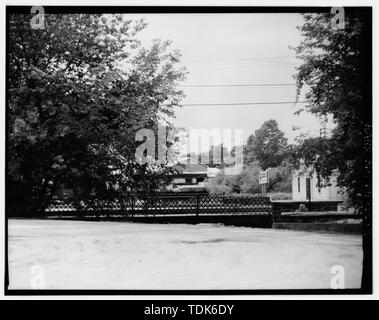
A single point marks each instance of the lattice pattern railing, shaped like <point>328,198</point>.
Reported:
<point>163,205</point>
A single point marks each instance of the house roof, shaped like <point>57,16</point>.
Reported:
<point>191,168</point>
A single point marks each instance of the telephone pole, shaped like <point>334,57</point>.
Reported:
<point>323,129</point>
<point>323,132</point>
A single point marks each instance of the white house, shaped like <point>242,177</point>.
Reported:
<point>305,188</point>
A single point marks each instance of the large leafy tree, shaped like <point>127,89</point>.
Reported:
<point>268,145</point>
<point>79,89</point>
<point>336,77</point>
<point>224,184</point>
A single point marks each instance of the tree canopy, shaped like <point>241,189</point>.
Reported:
<point>79,89</point>
<point>268,145</point>
<point>335,76</point>
<point>266,148</point>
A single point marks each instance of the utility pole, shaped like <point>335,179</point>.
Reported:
<point>323,132</point>
<point>222,154</point>
<point>323,129</point>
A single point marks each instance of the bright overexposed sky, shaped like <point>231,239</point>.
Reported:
<point>235,49</point>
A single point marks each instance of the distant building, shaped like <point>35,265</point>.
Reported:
<point>191,176</point>
<point>305,186</point>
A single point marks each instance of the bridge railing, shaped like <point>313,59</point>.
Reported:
<point>135,205</point>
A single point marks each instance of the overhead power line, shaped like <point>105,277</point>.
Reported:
<point>239,104</point>
<point>238,85</point>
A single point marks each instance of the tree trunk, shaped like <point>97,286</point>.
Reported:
<point>366,284</point>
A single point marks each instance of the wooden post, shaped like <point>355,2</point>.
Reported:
<point>132,205</point>
<point>264,194</point>
<point>197,205</point>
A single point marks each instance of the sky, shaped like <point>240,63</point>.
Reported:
<point>239,51</point>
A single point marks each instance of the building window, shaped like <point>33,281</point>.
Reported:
<point>319,184</point>
<point>298,184</point>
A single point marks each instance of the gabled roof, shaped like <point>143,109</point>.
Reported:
<point>195,167</point>
<point>191,168</point>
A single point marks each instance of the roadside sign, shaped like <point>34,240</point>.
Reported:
<point>263,177</point>
<point>263,180</point>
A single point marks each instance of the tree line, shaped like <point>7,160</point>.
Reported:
<point>80,88</point>
<point>267,148</point>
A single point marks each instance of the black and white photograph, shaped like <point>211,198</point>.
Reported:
<point>188,150</point>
